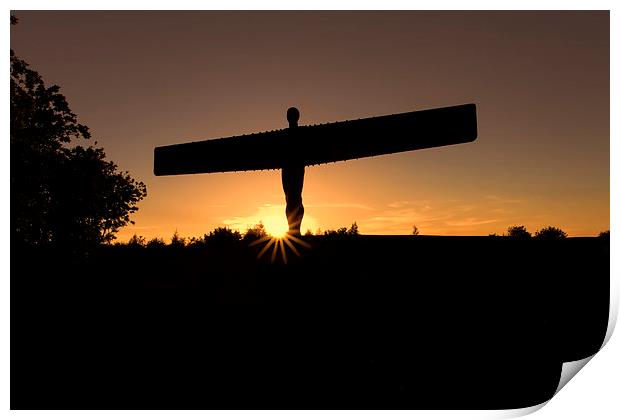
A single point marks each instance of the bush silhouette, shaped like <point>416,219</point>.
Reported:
<point>177,241</point>
<point>156,243</point>
<point>415,231</point>
<point>223,236</point>
<point>519,232</point>
<point>194,242</point>
<point>255,232</point>
<point>61,196</point>
<point>338,232</point>
<point>604,235</point>
<point>550,232</point>
<point>136,241</point>
<point>343,231</point>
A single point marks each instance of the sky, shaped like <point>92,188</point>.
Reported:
<point>540,81</point>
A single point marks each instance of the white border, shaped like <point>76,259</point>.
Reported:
<point>312,5</point>
<point>593,393</point>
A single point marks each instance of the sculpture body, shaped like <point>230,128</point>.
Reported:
<point>293,148</point>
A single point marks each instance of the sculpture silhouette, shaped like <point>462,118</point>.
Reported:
<point>293,177</point>
<point>296,147</point>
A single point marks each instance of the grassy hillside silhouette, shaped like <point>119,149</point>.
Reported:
<point>357,321</point>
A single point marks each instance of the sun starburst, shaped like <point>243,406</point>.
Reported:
<point>279,245</point>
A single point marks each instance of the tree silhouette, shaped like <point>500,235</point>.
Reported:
<point>60,195</point>
<point>156,243</point>
<point>550,232</point>
<point>519,232</point>
<point>338,232</point>
<point>353,230</point>
<point>343,231</point>
<point>197,242</point>
<point>223,236</point>
<point>415,231</point>
<point>136,241</point>
<point>255,232</point>
<point>177,241</point>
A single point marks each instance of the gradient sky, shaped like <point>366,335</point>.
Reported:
<point>540,80</point>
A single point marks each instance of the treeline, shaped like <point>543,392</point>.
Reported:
<point>548,232</point>
<point>224,235</point>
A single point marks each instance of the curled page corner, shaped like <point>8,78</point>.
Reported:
<point>569,370</point>
<point>519,412</point>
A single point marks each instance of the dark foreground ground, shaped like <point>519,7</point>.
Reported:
<point>355,322</point>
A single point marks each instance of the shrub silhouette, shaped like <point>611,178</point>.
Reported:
<point>338,232</point>
<point>61,196</point>
<point>519,232</point>
<point>604,235</point>
<point>550,232</point>
<point>177,241</point>
<point>194,242</point>
<point>415,231</point>
<point>156,243</point>
<point>343,231</point>
<point>255,232</point>
<point>136,241</point>
<point>223,236</point>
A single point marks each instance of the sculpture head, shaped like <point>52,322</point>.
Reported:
<point>292,115</point>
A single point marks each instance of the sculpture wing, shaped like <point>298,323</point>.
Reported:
<point>317,144</point>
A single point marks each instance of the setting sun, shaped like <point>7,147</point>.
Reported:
<point>276,225</point>
<point>273,219</point>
